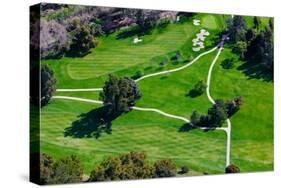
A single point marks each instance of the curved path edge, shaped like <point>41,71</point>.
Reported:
<point>228,129</point>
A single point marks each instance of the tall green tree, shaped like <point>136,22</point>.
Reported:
<point>237,28</point>
<point>119,94</point>
<point>48,84</point>
<point>257,22</point>
<point>82,41</point>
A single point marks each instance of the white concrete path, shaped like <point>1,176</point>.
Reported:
<point>228,129</point>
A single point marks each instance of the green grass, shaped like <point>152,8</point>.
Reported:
<point>252,126</point>
<point>152,133</point>
<point>159,136</point>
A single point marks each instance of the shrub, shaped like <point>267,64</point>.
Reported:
<point>138,74</point>
<point>232,169</point>
<point>184,169</point>
<point>165,168</point>
<point>46,168</point>
<point>133,165</point>
<point>67,170</point>
<point>198,89</point>
<point>195,118</point>
<point>228,63</point>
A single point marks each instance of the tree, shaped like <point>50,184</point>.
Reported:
<point>271,24</point>
<point>46,168</point>
<point>257,22</point>
<point>184,170</point>
<point>165,168</point>
<point>133,165</point>
<point>237,28</point>
<point>82,41</point>
<point>48,84</point>
<point>138,74</point>
<point>66,170</point>
<point>146,19</point>
<point>53,39</point>
<point>233,106</point>
<point>195,118</point>
<point>240,48</point>
<point>232,169</point>
<point>217,114</point>
<point>119,94</point>
<point>198,89</point>
<point>260,50</point>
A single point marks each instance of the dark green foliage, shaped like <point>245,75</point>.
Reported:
<point>119,94</point>
<point>260,50</point>
<point>138,74</point>
<point>195,118</point>
<point>133,165</point>
<point>250,35</point>
<point>232,169</point>
<point>237,28</point>
<point>184,170</point>
<point>165,168</point>
<point>217,114</point>
<point>48,84</point>
<point>82,41</point>
<point>228,63</point>
<point>198,89</point>
<point>240,48</point>
<point>66,170</point>
<point>233,106</point>
<point>257,22</point>
<point>271,24</point>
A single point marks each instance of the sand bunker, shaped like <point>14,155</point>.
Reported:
<point>137,40</point>
<point>198,42</point>
<point>196,22</point>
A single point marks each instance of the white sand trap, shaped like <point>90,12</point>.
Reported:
<point>196,49</point>
<point>137,40</point>
<point>196,22</point>
<point>198,42</point>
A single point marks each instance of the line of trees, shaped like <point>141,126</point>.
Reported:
<point>217,114</point>
<point>132,165</point>
<point>255,45</point>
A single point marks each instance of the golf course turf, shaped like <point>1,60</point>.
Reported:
<point>66,124</point>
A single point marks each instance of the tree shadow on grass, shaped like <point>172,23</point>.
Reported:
<point>133,31</point>
<point>254,71</point>
<point>192,93</point>
<point>186,127</point>
<point>91,124</point>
